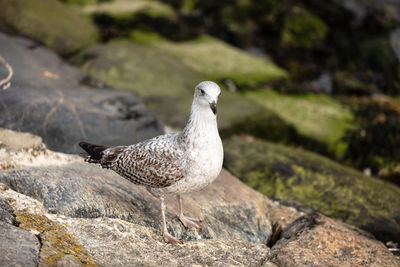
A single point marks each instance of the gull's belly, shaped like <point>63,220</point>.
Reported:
<point>201,168</point>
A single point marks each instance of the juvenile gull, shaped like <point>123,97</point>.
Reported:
<point>175,163</point>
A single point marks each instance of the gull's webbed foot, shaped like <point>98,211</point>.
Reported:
<point>189,222</point>
<point>170,239</point>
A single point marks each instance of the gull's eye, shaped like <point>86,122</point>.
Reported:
<point>202,91</point>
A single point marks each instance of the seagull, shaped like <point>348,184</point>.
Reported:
<point>175,163</point>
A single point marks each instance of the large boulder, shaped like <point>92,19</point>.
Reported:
<point>50,22</point>
<point>166,85</point>
<point>51,99</point>
<point>326,186</point>
<point>86,215</point>
<point>216,59</point>
<point>84,191</point>
<point>18,247</point>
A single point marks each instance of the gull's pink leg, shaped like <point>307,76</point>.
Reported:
<point>187,221</point>
<point>166,236</point>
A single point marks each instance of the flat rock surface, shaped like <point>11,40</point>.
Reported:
<point>18,247</point>
<point>51,100</point>
<point>136,245</point>
<point>316,240</point>
<point>227,207</point>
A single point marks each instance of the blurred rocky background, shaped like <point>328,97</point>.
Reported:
<point>309,116</point>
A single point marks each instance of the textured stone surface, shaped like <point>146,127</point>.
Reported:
<point>23,149</point>
<point>85,215</point>
<point>316,240</point>
<point>81,190</point>
<point>51,101</point>
<point>123,244</point>
<point>18,247</point>
<point>324,185</point>
<point>6,211</point>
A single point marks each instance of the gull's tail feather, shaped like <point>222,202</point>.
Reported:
<point>94,152</point>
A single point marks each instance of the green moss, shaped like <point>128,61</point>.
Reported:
<point>80,2</point>
<point>56,241</point>
<point>216,59</point>
<point>326,186</point>
<point>167,85</point>
<point>316,116</point>
<point>49,21</point>
<point>119,9</point>
<point>303,29</point>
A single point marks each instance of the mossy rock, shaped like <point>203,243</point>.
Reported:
<point>216,59</point>
<point>49,21</point>
<point>336,190</point>
<point>316,116</point>
<point>163,82</point>
<point>302,29</point>
<point>122,9</point>
<point>167,86</point>
<point>56,241</point>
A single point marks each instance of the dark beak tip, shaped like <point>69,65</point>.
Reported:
<point>213,107</point>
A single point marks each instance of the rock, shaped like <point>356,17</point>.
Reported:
<point>166,85</point>
<point>16,140</point>
<point>101,234</point>
<point>6,211</point>
<point>119,9</point>
<point>23,149</point>
<point>316,240</point>
<point>326,186</point>
<point>68,261</point>
<point>216,59</point>
<point>56,242</point>
<point>78,190</point>
<point>52,101</point>
<point>17,246</point>
<point>316,116</point>
<point>85,215</point>
<point>323,83</point>
<point>48,21</point>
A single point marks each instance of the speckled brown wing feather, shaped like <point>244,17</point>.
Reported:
<point>149,164</point>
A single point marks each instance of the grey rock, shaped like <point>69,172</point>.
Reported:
<point>49,98</point>
<point>6,211</point>
<point>323,83</point>
<point>18,247</point>
<point>228,209</point>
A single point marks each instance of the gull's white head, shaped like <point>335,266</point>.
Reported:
<point>206,94</point>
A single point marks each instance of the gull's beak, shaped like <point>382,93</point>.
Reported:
<point>213,107</point>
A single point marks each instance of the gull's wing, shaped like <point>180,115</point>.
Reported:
<point>151,163</point>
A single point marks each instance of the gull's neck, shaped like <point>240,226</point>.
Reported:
<point>202,122</point>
